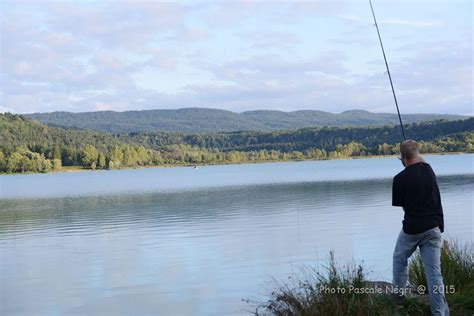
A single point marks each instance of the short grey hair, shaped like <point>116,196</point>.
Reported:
<point>409,149</point>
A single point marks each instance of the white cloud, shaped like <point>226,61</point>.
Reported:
<point>233,55</point>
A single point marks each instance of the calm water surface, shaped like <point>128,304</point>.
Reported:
<point>180,241</point>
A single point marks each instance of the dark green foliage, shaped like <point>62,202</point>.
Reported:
<point>201,120</point>
<point>28,146</point>
<point>24,160</point>
<point>89,156</point>
<point>67,145</point>
<point>325,138</point>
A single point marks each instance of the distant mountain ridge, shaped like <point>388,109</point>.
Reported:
<point>205,120</point>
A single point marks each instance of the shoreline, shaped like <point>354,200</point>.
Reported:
<point>74,169</point>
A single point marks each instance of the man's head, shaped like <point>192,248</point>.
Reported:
<point>410,151</point>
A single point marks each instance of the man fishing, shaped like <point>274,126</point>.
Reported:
<point>416,190</point>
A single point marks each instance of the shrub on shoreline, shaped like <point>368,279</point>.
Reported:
<point>345,290</point>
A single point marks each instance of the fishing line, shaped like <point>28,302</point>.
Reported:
<point>388,71</point>
<point>299,235</point>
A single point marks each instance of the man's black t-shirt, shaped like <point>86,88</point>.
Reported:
<point>416,190</point>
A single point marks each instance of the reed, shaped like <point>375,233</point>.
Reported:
<point>334,289</point>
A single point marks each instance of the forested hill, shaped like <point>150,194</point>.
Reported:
<point>326,138</point>
<point>202,120</point>
<point>29,146</point>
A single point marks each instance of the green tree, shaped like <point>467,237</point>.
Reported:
<point>101,161</point>
<point>115,157</point>
<point>157,159</point>
<point>2,162</point>
<point>56,164</point>
<point>46,165</point>
<point>129,155</point>
<point>26,164</point>
<point>89,155</point>
<point>13,162</point>
<point>39,163</point>
<point>56,152</point>
<point>142,156</point>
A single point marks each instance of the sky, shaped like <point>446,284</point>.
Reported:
<point>122,55</point>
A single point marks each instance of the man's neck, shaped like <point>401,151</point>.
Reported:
<point>414,161</point>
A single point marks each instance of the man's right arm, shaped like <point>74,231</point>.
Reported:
<point>398,198</point>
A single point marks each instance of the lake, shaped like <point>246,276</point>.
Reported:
<point>181,241</point>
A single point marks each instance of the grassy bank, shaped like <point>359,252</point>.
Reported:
<point>346,290</point>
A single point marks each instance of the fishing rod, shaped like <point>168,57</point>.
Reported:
<point>388,70</point>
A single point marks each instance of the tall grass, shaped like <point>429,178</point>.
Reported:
<point>333,292</point>
<point>332,289</point>
<point>457,268</point>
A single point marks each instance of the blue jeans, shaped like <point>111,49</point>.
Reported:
<point>430,249</point>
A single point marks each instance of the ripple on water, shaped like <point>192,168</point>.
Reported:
<point>228,241</point>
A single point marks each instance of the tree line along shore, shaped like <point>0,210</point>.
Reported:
<point>29,146</point>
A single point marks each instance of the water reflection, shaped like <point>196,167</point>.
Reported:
<point>190,208</point>
<point>90,183</point>
<point>197,251</point>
